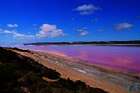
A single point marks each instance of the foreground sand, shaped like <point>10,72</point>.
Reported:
<point>75,69</point>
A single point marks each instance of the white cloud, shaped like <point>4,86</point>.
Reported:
<point>7,32</point>
<point>83,31</point>
<point>87,9</point>
<point>12,25</point>
<point>17,34</point>
<point>48,30</point>
<point>123,26</point>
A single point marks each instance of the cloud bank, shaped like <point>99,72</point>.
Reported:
<point>46,31</point>
<point>17,34</point>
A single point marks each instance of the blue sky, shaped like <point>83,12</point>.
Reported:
<point>24,21</point>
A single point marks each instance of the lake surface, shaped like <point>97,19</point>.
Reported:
<point>116,57</point>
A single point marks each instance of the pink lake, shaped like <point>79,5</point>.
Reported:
<point>116,57</point>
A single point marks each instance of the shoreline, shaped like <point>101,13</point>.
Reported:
<point>104,43</point>
<point>23,74</point>
<point>94,76</point>
<point>132,72</point>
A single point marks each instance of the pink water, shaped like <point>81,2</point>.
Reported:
<point>116,57</point>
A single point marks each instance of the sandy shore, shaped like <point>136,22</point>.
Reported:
<point>75,69</point>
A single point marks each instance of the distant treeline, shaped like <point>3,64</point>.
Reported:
<point>88,42</point>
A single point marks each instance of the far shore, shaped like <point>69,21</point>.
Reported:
<point>95,43</point>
